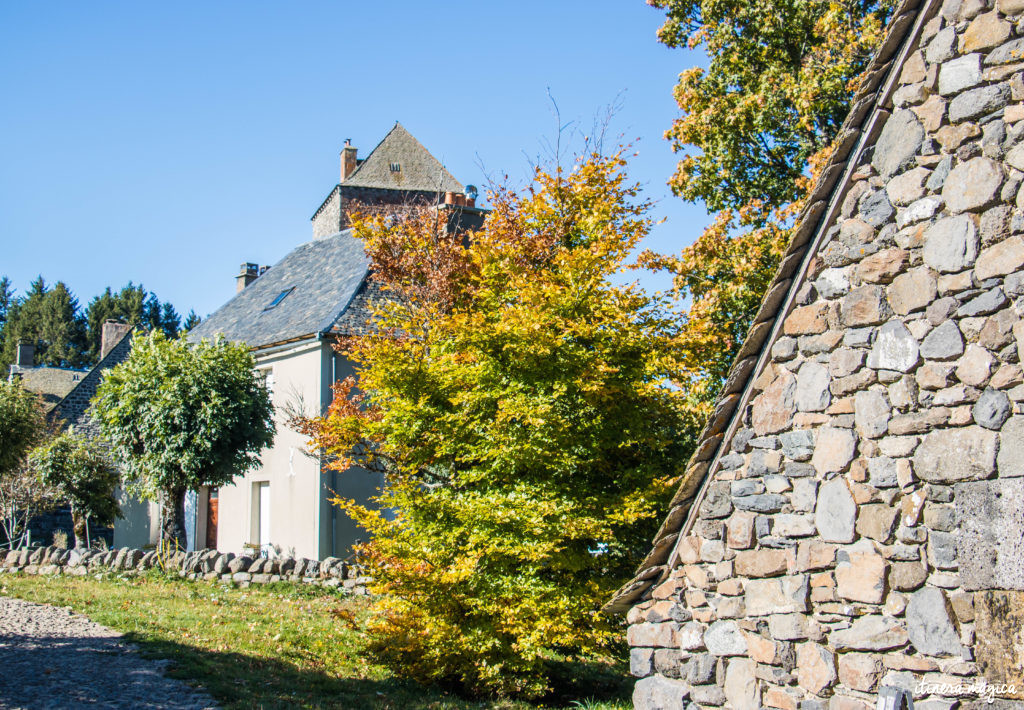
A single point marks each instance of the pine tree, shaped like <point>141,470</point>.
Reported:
<point>191,321</point>
<point>50,319</point>
<point>133,305</point>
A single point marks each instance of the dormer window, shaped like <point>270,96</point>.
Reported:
<point>280,297</point>
<point>396,167</point>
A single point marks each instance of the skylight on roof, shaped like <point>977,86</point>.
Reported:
<point>280,297</point>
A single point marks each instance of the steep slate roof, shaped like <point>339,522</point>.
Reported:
<point>867,116</point>
<point>73,410</point>
<point>419,170</point>
<point>325,273</point>
<point>52,383</point>
<point>357,318</point>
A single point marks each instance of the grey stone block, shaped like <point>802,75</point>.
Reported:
<point>990,539</point>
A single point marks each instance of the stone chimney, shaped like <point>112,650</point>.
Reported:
<point>113,333</point>
<point>247,274</point>
<point>348,160</point>
<point>26,355</point>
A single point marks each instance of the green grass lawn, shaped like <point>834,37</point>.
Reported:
<point>274,646</point>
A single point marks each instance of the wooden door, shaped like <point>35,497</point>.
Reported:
<point>211,520</point>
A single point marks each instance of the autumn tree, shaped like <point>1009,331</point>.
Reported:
<point>80,472</point>
<point>755,127</point>
<point>518,401</point>
<point>179,416</point>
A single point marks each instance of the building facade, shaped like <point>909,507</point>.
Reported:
<point>290,315</point>
<point>852,518</point>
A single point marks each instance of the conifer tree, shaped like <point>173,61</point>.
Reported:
<point>50,319</point>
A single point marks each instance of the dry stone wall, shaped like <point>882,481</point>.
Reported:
<point>202,564</point>
<point>865,526</point>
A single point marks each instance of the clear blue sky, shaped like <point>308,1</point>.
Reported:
<point>166,143</point>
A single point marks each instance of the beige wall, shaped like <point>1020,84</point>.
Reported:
<point>302,521</point>
<point>140,525</point>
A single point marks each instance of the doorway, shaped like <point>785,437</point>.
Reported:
<point>211,519</point>
<point>261,517</point>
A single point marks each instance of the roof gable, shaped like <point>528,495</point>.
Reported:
<point>73,409</point>
<point>52,383</point>
<point>417,169</point>
<point>868,114</point>
<point>312,287</point>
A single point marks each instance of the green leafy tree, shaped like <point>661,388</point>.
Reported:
<point>777,88</point>
<point>180,416</point>
<point>22,426</point>
<point>22,423</point>
<point>517,399</point>
<point>80,472</point>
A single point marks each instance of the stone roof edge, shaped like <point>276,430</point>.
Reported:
<point>859,131</point>
<point>327,199</point>
<point>379,144</point>
<point>98,367</point>
<point>366,160</point>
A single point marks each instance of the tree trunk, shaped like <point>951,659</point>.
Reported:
<point>173,529</point>
<point>78,525</point>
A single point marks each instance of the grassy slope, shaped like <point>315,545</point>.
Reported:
<point>272,646</point>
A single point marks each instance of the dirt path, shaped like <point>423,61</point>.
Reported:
<point>53,658</point>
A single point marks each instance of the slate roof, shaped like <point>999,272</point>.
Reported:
<point>357,318</point>
<point>867,115</point>
<point>73,410</point>
<point>51,383</point>
<point>326,275</point>
<point>418,169</point>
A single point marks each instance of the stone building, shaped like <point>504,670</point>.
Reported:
<point>853,517</point>
<point>51,383</point>
<point>66,395</point>
<point>398,172</point>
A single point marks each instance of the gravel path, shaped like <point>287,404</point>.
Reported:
<point>53,658</point>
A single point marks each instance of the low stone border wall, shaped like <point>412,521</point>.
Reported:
<point>202,564</point>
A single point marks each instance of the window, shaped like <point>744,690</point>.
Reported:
<point>268,378</point>
<point>396,167</point>
<point>280,297</point>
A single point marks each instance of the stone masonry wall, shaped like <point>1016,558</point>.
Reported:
<point>327,220</point>
<point>331,217</point>
<point>872,496</point>
<point>201,564</point>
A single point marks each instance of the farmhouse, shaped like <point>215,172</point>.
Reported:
<point>290,315</point>
<point>65,394</point>
<point>852,517</point>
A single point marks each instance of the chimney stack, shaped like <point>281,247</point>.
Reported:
<point>348,159</point>
<point>26,355</point>
<point>113,332</point>
<point>247,274</point>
